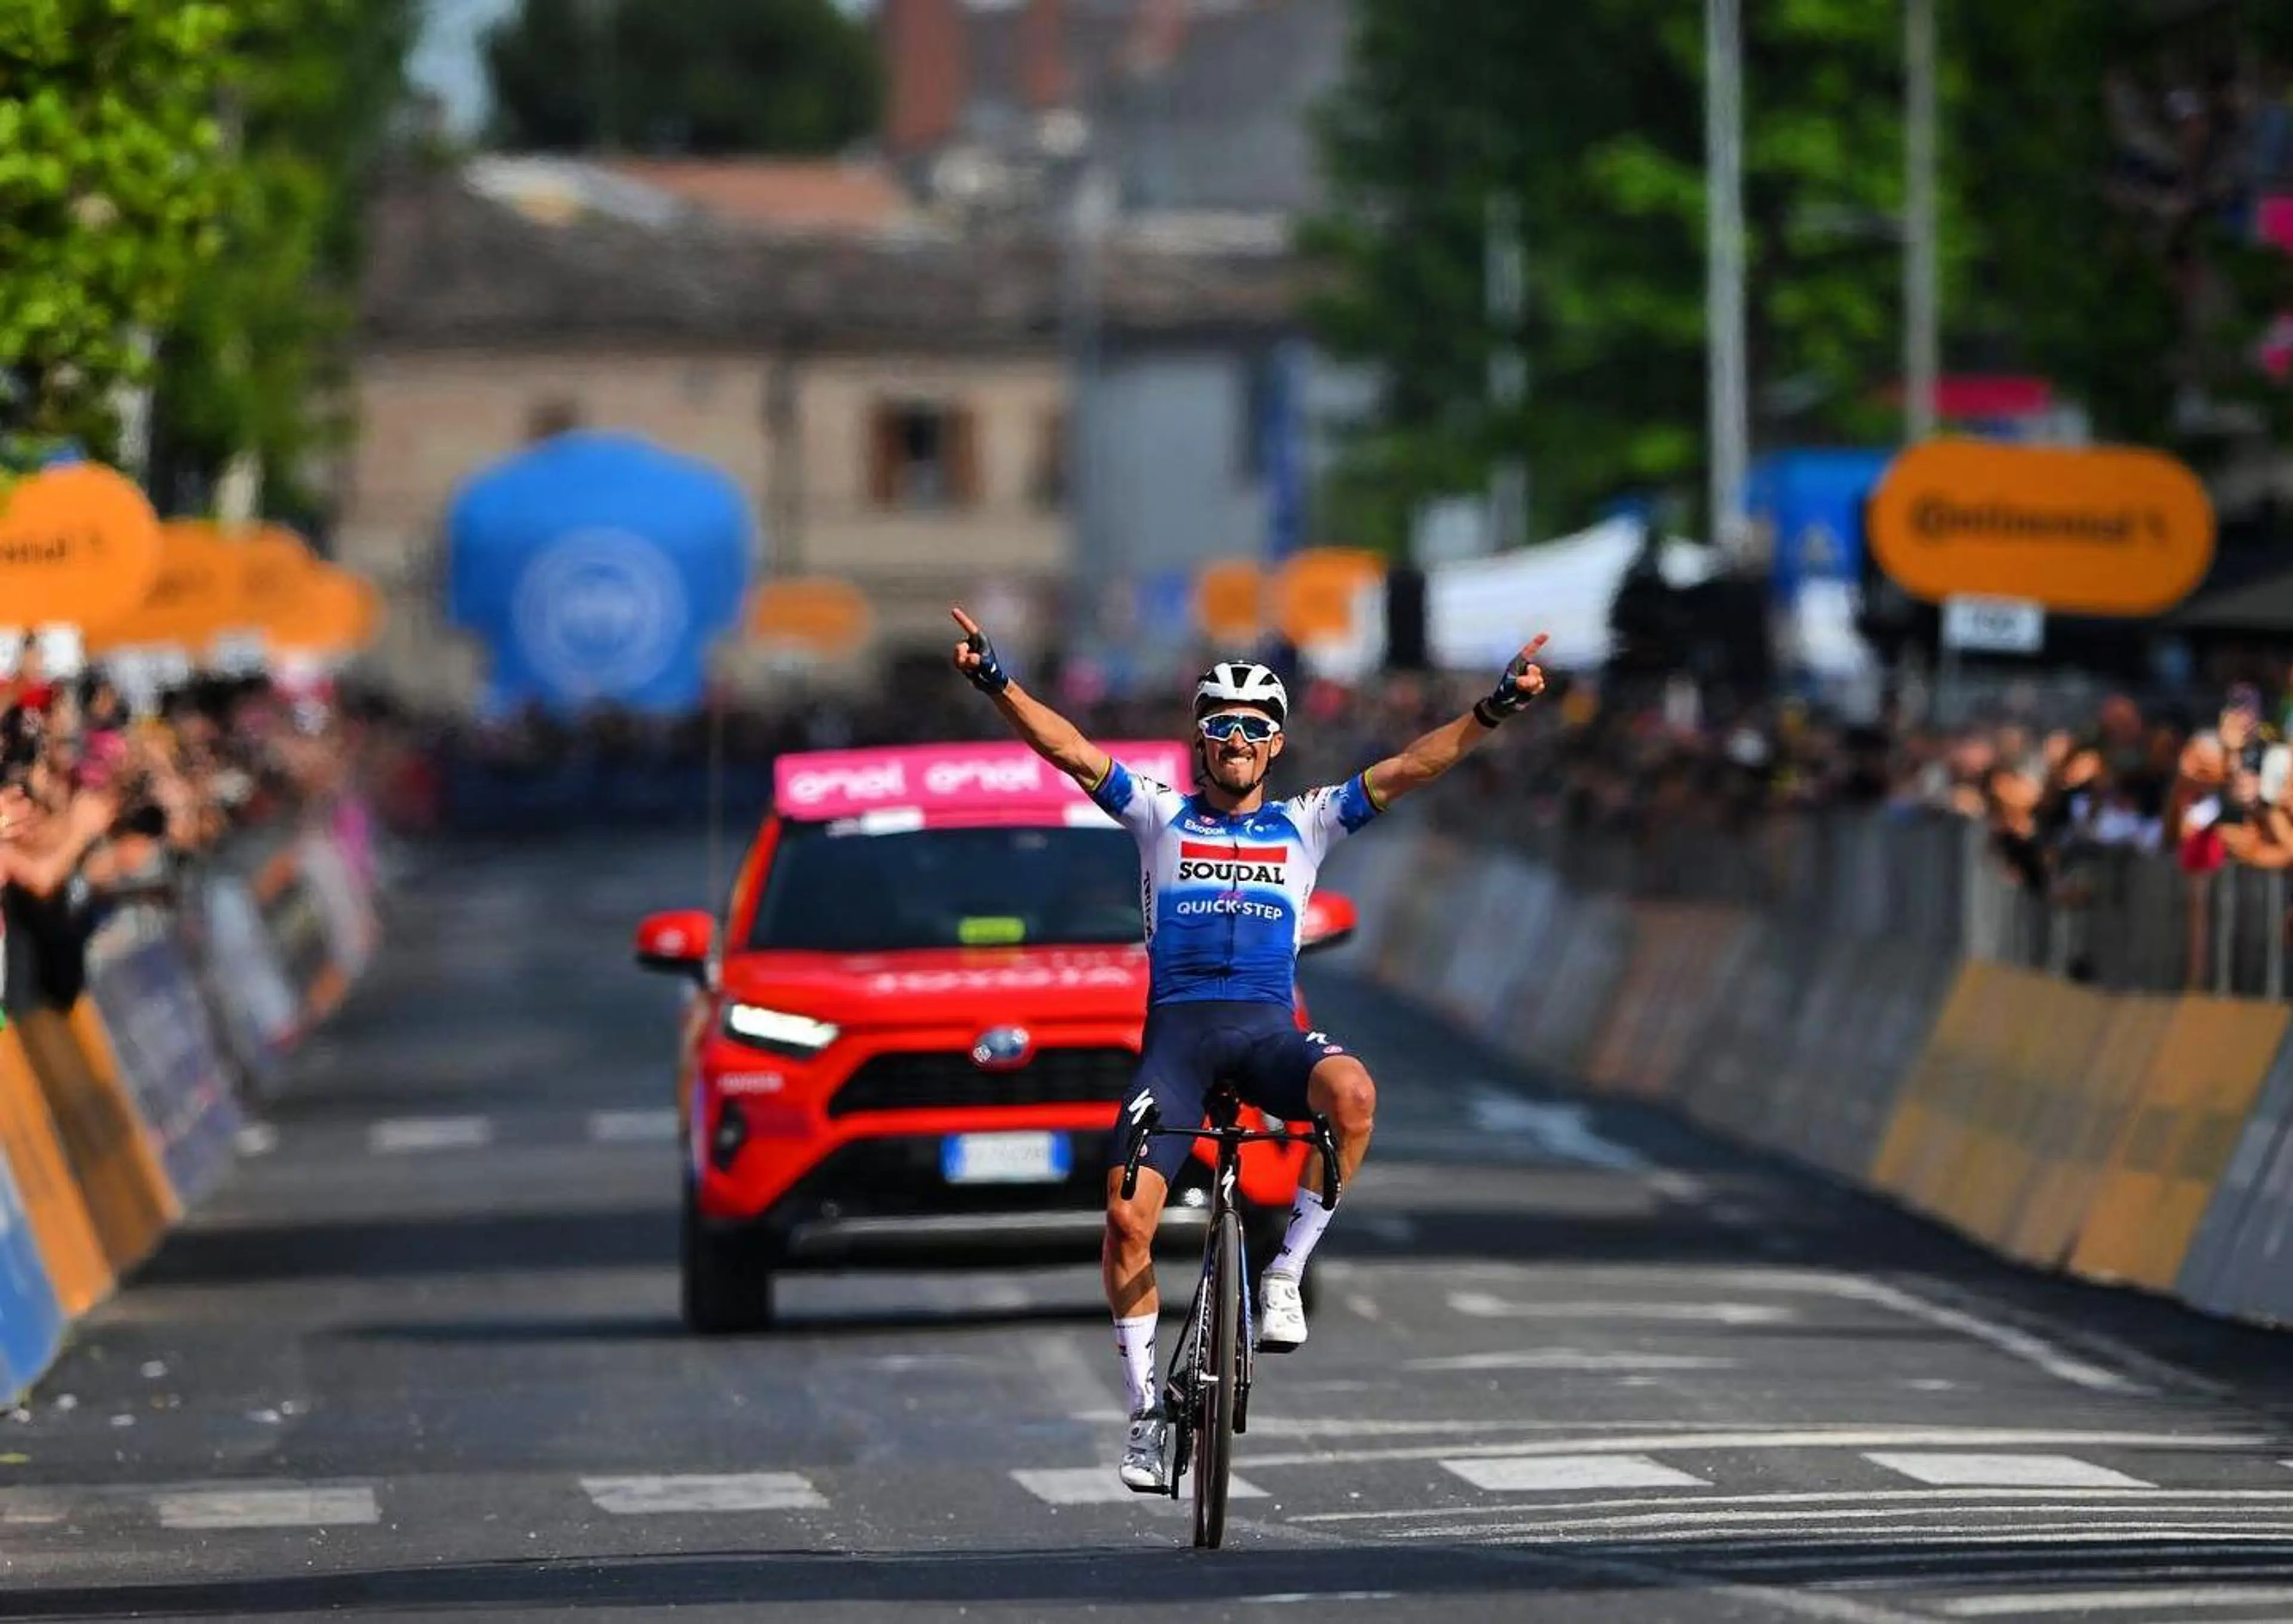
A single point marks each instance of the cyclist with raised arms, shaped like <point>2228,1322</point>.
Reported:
<point>1227,874</point>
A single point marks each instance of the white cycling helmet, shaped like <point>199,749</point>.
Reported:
<point>1241,682</point>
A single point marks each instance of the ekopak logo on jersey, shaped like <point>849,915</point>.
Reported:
<point>1232,865</point>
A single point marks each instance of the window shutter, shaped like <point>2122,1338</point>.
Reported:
<point>884,456</point>
<point>962,455</point>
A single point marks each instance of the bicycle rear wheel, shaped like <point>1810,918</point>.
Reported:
<point>1220,1367</point>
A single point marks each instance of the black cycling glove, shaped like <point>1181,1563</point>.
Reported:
<point>1509,699</point>
<point>988,677</point>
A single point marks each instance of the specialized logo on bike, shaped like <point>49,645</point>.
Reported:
<point>1232,865</point>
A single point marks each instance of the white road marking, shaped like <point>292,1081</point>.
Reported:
<point>2118,1601</point>
<point>2016,1344</point>
<point>1968,1471</point>
<point>1484,1306</point>
<point>1284,1598</point>
<point>633,1127</point>
<point>2015,1502</point>
<point>1849,1437</point>
<point>1100,1486</point>
<point>1677,1186</point>
<point>739,1492</point>
<point>296,1506</point>
<point>1569,1358</point>
<point>401,1135</point>
<point>1831,1560</point>
<point>1362,1306</point>
<point>1867,1527</point>
<point>1562,1129</point>
<point>1548,1472</point>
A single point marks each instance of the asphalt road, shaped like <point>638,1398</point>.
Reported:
<point>421,1359</point>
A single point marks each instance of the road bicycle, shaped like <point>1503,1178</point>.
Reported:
<point>1207,1395</point>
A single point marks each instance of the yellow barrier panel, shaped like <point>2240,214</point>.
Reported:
<point>1931,1127</point>
<point>1710,938</point>
<point>2076,1133</point>
<point>2048,1041</point>
<point>1621,1039</point>
<point>2201,1086</point>
<point>68,1248</point>
<point>126,1191</point>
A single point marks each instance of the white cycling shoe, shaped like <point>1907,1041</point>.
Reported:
<point>1281,1315</point>
<point>1146,1453</point>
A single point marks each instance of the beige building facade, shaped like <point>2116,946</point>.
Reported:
<point>916,479</point>
<point>896,403</point>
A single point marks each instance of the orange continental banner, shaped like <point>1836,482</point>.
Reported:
<point>194,593</point>
<point>332,613</point>
<point>276,570</point>
<point>1315,592</point>
<point>79,546</point>
<point>2115,531</point>
<point>1231,601</point>
<point>821,614</point>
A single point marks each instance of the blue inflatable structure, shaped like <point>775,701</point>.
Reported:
<point>598,569</point>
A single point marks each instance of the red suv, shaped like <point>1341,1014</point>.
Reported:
<point>909,1041</point>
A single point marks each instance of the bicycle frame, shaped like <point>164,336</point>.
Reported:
<point>1186,1383</point>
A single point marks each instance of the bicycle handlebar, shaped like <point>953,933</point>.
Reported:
<point>1149,1124</point>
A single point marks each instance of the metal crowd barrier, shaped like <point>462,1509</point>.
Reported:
<point>2113,918</point>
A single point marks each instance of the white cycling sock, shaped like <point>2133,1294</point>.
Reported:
<point>1307,1219</point>
<point>1134,1338</point>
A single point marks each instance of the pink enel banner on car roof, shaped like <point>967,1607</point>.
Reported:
<point>820,785</point>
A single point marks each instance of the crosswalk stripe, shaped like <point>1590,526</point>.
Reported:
<point>1546,1474</point>
<point>1974,1471</point>
<point>2135,1600</point>
<point>721,1492</point>
<point>1100,1486</point>
<point>250,1507</point>
<point>401,1134</point>
<point>633,1127</point>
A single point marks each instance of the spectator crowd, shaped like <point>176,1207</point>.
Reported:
<point>100,807</point>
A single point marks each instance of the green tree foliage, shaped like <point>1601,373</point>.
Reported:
<point>255,358</point>
<point>704,77</point>
<point>114,181</point>
<point>1592,115</point>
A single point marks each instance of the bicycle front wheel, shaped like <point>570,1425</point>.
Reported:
<point>1221,1363</point>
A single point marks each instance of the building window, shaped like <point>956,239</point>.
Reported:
<point>923,456</point>
<point>1047,482</point>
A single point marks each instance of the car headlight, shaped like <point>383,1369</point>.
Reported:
<point>777,1029</point>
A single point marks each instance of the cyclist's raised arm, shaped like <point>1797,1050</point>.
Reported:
<point>1433,753</point>
<point>1048,733</point>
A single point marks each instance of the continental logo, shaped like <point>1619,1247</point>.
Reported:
<point>1232,865</point>
<point>1939,519</point>
<point>37,552</point>
<point>2104,530</point>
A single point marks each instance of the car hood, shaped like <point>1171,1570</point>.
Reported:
<point>953,986</point>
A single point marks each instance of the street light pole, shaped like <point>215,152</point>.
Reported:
<point>1724,300</point>
<point>1505,277</point>
<point>1922,327</point>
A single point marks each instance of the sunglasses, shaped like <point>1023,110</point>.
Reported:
<point>1256,729</point>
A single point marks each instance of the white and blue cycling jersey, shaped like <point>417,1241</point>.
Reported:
<point>1225,892</point>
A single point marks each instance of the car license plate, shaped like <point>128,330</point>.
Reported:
<point>1004,1159</point>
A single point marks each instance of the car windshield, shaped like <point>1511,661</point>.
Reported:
<point>854,893</point>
